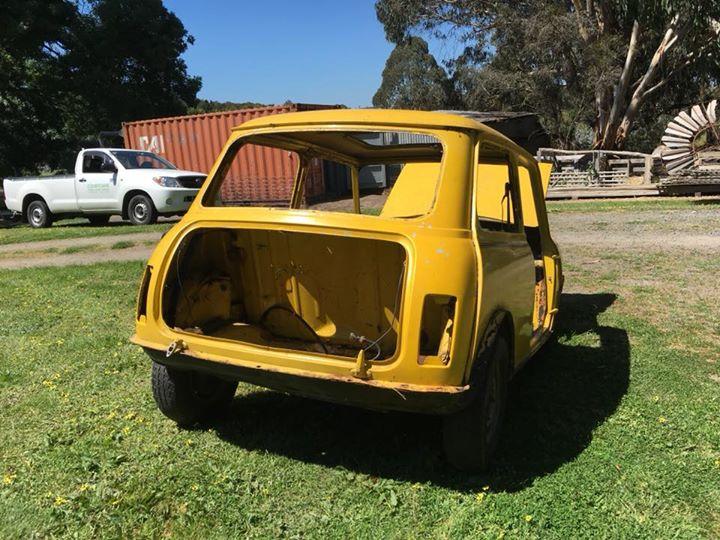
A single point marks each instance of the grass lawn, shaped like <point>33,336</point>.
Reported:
<point>642,204</point>
<point>75,228</point>
<point>80,228</point>
<point>612,431</point>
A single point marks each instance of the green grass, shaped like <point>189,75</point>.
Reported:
<point>77,228</point>
<point>613,431</point>
<point>647,204</point>
<point>78,249</point>
<point>123,244</point>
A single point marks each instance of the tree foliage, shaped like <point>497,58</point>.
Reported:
<point>412,79</point>
<point>609,66</point>
<point>69,69</point>
<point>209,105</point>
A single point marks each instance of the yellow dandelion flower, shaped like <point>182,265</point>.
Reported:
<point>8,479</point>
<point>528,518</point>
<point>662,420</point>
<point>195,487</point>
<point>83,488</point>
<point>59,501</point>
<point>480,497</point>
<point>189,442</point>
<point>126,430</point>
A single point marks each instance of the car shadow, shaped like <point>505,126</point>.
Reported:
<point>113,223</point>
<point>707,201</point>
<point>556,403</point>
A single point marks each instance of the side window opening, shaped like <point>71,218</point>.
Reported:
<point>529,210</point>
<point>93,162</point>
<point>496,201</point>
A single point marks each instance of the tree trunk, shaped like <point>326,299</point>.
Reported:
<point>620,92</point>
<point>613,133</point>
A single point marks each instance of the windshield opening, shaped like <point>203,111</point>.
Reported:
<point>382,173</point>
<point>134,159</point>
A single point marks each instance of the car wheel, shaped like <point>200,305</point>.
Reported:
<point>141,210</point>
<point>189,397</point>
<point>99,220</point>
<point>470,436</point>
<point>38,215</point>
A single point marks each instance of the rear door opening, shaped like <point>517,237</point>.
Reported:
<point>321,293</point>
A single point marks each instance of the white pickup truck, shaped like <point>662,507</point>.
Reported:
<point>134,184</point>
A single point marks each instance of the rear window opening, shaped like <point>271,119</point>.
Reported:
<point>379,173</point>
<point>325,294</point>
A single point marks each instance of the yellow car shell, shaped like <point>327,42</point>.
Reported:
<point>475,263</point>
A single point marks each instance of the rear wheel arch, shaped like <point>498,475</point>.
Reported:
<point>470,435</point>
<point>36,212</point>
<point>30,197</point>
<point>500,325</point>
<point>129,195</point>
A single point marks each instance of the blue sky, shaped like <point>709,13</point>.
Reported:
<point>270,51</point>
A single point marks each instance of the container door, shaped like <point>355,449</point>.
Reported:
<point>96,185</point>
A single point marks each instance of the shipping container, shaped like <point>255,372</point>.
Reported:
<point>193,142</point>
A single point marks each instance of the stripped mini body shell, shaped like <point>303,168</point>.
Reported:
<point>387,311</point>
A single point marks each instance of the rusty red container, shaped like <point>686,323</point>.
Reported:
<point>193,143</point>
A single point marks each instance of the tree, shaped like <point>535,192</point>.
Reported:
<point>412,79</point>
<point>126,61</point>
<point>71,68</point>
<point>592,62</point>
<point>208,105</point>
<point>33,35</point>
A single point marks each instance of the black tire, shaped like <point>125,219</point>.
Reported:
<point>38,214</point>
<point>190,397</point>
<point>470,436</point>
<point>99,220</point>
<point>141,210</point>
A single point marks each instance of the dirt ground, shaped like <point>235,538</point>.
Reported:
<point>657,230</point>
<point>687,228</point>
<point>90,250</point>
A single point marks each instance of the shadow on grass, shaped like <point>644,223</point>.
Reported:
<point>556,402</point>
<point>715,200</point>
<point>113,223</point>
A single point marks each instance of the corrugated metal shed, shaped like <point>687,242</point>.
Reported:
<point>193,143</point>
<point>523,128</point>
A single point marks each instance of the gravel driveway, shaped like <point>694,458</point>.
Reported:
<point>689,229</point>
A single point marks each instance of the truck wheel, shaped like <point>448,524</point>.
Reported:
<point>470,435</point>
<point>38,215</point>
<point>141,210</point>
<point>99,220</point>
<point>189,397</point>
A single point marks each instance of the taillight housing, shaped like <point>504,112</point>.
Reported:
<point>143,293</point>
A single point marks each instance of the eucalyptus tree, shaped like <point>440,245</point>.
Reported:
<point>595,62</point>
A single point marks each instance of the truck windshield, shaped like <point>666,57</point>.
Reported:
<point>132,159</point>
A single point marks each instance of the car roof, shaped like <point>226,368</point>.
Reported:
<point>389,117</point>
<point>103,149</point>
